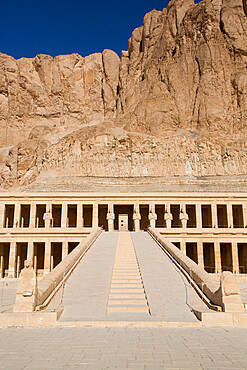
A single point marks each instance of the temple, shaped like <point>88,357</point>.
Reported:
<point>204,218</point>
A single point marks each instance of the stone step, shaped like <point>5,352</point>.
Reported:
<point>118,295</point>
<point>128,309</point>
<point>127,302</point>
<point>126,285</point>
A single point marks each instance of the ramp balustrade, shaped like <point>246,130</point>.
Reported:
<point>41,294</point>
<point>225,293</point>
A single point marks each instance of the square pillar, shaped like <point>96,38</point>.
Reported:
<point>79,215</point>
<point>32,215</point>
<point>12,260</point>
<point>48,216</point>
<point>17,215</point>
<point>95,215</point>
<point>245,214</point>
<point>200,254</point>
<point>229,215</point>
<point>47,262</point>
<point>2,207</point>
<point>30,250</point>
<point>64,215</point>
<point>183,247</point>
<point>1,262</point>
<point>65,249</point>
<point>214,215</point>
<point>217,257</point>
<point>198,216</point>
<point>235,260</point>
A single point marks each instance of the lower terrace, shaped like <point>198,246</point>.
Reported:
<point>205,218</point>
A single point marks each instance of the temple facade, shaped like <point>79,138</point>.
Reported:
<point>210,228</point>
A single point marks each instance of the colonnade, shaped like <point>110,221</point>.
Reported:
<point>216,256</point>
<point>49,258</point>
<point>214,227</point>
<point>197,215</point>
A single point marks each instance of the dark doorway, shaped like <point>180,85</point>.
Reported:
<point>222,216</point>
<point>123,209</point>
<point>39,255</point>
<point>103,209</point>
<point>160,211</point>
<point>9,215</point>
<point>175,210</point>
<point>72,215</point>
<point>177,244</point>
<point>226,256</point>
<point>191,251</point>
<point>144,211</point>
<point>40,211</point>
<point>191,211</point>
<point>25,215</point>
<point>88,215</point>
<point>237,212</point>
<point>21,257</point>
<point>206,216</point>
<point>72,246</point>
<point>4,255</point>
<point>209,258</point>
<point>56,214</point>
<point>242,256</point>
<point>56,254</point>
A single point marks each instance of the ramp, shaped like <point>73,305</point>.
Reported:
<point>126,277</point>
<point>127,293</point>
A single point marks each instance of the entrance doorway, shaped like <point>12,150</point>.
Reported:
<point>123,222</point>
<point>123,210</point>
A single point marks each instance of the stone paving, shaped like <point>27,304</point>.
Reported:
<point>123,348</point>
<point>8,289</point>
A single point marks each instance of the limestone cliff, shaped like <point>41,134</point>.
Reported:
<point>175,103</point>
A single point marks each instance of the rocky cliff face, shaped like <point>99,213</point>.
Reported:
<point>174,104</point>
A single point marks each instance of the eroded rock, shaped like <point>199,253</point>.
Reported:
<point>174,104</point>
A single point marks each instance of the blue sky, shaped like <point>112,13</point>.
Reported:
<point>30,27</point>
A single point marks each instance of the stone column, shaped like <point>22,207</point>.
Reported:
<point>168,216</point>
<point>183,246</point>
<point>48,216</point>
<point>110,217</point>
<point>1,262</point>
<point>64,215</point>
<point>198,215</point>
<point>214,215</point>
<point>30,250</point>
<point>32,215</point>
<point>65,249</point>
<point>183,216</point>
<point>79,215</point>
<point>235,260</point>
<point>200,254</point>
<point>217,257</point>
<point>47,262</point>
<point>12,260</point>
<point>152,215</point>
<point>95,215</point>
<point>2,207</point>
<point>137,217</point>
<point>229,215</point>
<point>17,215</point>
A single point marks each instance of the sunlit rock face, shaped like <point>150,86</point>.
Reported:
<point>175,104</point>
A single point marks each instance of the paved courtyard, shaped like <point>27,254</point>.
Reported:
<point>123,348</point>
